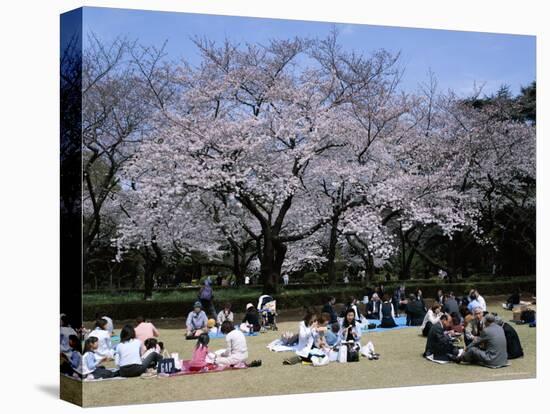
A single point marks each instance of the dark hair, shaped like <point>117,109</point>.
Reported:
<point>139,319</point>
<point>150,343</point>
<point>89,342</point>
<point>64,320</point>
<point>227,326</point>
<point>308,317</point>
<point>444,317</point>
<point>323,319</point>
<point>227,306</point>
<point>127,333</point>
<point>101,323</point>
<point>331,298</point>
<point>346,323</point>
<point>335,327</point>
<point>385,298</point>
<point>100,314</point>
<point>203,340</point>
<point>77,343</point>
<point>412,296</point>
<point>436,306</point>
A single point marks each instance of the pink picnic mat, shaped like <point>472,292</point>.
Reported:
<point>185,370</point>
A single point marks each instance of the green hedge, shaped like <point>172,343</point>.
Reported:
<point>297,298</point>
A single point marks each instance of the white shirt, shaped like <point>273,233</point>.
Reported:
<point>109,327</point>
<point>482,303</point>
<point>105,347</point>
<point>128,353</point>
<point>236,345</point>
<point>65,332</point>
<point>305,340</point>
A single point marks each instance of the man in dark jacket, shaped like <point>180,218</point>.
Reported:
<point>329,308</point>
<point>450,305</point>
<point>439,344</point>
<point>490,347</point>
<point>513,344</point>
<point>415,311</point>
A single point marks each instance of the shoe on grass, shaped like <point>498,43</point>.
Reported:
<point>255,363</point>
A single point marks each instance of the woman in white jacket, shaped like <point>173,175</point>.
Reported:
<point>431,318</point>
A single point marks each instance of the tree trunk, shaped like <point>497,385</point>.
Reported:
<point>273,256</point>
<point>331,256</point>
<point>153,260</point>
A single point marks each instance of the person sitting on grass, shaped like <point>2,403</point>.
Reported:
<point>151,345</point>
<point>489,348</point>
<point>513,344</point>
<point>128,355</point>
<point>329,308</point>
<point>91,368</point>
<point>145,330</point>
<point>354,304</point>
<point>431,317</point>
<point>332,336</point>
<point>513,300</point>
<point>306,339</point>
<point>66,331</point>
<point>225,315</point>
<point>415,311</point>
<point>70,360</point>
<point>198,360</point>
<point>251,320</point>
<point>349,331</point>
<point>374,306</point>
<point>110,325</point>
<point>387,313</point>
<point>320,334</point>
<point>439,345</point>
<point>196,322</point>
<point>450,305</point>
<point>236,351</point>
<point>105,348</point>
<point>474,327</point>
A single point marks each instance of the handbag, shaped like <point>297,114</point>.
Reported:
<point>353,353</point>
<point>167,365</point>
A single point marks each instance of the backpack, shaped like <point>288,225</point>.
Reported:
<point>206,293</point>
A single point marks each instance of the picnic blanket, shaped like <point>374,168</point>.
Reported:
<point>207,369</point>
<point>220,335</point>
<point>278,346</point>
<point>401,322</point>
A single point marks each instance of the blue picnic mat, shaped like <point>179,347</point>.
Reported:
<point>220,335</point>
<point>401,322</point>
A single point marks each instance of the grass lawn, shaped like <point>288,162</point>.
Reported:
<point>400,364</point>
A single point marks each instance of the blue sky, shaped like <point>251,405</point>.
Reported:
<point>458,59</point>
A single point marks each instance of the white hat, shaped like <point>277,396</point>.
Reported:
<point>249,305</point>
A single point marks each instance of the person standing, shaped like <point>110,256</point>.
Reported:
<point>206,297</point>
<point>285,279</point>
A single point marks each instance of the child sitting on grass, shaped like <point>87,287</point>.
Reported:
<point>332,336</point>
<point>90,362</point>
<point>152,345</point>
<point>198,360</point>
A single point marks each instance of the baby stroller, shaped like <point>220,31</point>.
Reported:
<point>267,308</point>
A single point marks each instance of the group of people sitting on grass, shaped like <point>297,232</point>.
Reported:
<point>468,333</point>
<point>139,351</point>
<point>322,339</point>
<point>197,322</point>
